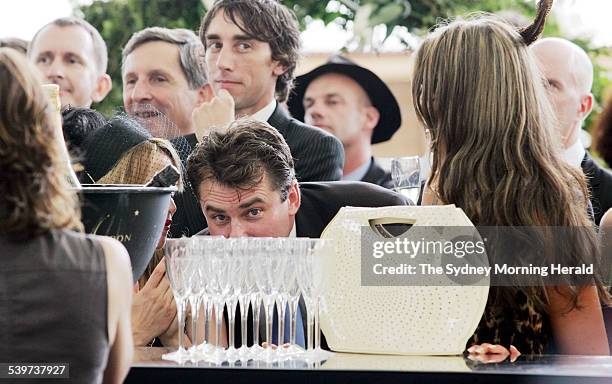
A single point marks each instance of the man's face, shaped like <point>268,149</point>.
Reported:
<point>65,56</point>
<point>154,81</point>
<point>564,92</point>
<point>240,64</point>
<point>337,104</point>
<point>257,212</point>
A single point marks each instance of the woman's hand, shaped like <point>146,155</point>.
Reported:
<point>153,307</point>
<point>492,353</point>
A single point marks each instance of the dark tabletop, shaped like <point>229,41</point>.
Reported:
<point>355,368</point>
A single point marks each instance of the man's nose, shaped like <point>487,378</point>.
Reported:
<point>141,92</point>
<point>55,70</point>
<point>237,230</point>
<point>314,113</point>
<point>225,59</point>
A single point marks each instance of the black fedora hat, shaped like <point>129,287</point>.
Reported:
<point>380,95</point>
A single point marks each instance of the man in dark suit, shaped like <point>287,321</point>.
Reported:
<point>569,74</point>
<point>353,104</point>
<point>250,68</point>
<point>245,181</point>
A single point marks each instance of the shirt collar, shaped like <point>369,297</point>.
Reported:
<point>264,114</point>
<point>359,173</point>
<point>574,154</point>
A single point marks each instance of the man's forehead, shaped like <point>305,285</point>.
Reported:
<point>166,57</point>
<point>236,26</point>
<point>217,194</point>
<point>334,83</point>
<point>79,39</point>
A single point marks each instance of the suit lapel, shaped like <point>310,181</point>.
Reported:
<point>279,119</point>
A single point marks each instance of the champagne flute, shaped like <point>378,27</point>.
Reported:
<point>406,176</point>
<point>178,264</point>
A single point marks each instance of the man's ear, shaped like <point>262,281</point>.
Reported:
<point>294,198</point>
<point>279,69</point>
<point>372,116</point>
<point>104,84</point>
<point>586,105</point>
<point>205,94</point>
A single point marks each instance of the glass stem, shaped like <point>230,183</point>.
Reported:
<point>244,312</point>
<point>180,307</point>
<point>317,326</point>
<point>219,318</point>
<point>269,319</point>
<point>256,304</point>
<point>231,316</point>
<point>195,310</point>
<point>293,305</point>
<point>309,321</point>
<point>281,303</point>
<point>208,307</point>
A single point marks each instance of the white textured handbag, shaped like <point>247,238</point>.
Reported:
<point>410,320</point>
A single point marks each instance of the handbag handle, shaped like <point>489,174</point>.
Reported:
<point>378,225</point>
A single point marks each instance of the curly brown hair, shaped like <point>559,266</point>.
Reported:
<point>35,195</point>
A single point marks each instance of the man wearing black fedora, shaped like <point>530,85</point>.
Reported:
<point>353,104</point>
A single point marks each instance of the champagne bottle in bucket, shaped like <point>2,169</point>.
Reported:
<point>53,92</point>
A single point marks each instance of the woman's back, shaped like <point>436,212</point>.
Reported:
<point>53,307</point>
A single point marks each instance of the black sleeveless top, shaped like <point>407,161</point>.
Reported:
<point>53,303</point>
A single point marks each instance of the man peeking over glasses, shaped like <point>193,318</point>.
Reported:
<point>245,181</point>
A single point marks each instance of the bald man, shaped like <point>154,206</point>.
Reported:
<point>569,74</point>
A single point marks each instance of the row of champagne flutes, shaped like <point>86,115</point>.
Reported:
<point>216,273</point>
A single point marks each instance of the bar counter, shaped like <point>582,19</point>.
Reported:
<point>357,368</point>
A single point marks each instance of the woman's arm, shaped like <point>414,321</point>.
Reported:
<point>119,282</point>
<point>580,331</point>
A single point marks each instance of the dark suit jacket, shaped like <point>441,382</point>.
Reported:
<point>377,175</point>
<point>600,186</point>
<point>322,201</point>
<point>318,156</point>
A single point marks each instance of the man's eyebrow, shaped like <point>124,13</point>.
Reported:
<point>248,203</point>
<point>243,37</point>
<point>74,54</point>
<point>333,94</point>
<point>214,36</point>
<point>161,72</point>
<point>214,209</point>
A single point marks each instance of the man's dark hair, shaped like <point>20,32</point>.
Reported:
<point>78,123</point>
<point>239,157</point>
<point>267,21</point>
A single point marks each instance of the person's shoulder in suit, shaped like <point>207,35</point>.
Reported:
<point>378,175</point>
<point>352,193</point>
<point>318,155</point>
<point>600,186</point>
